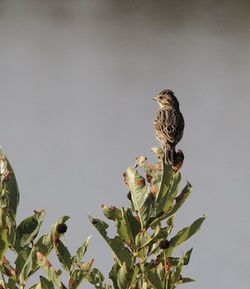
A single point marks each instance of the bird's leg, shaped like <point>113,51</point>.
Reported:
<point>170,156</point>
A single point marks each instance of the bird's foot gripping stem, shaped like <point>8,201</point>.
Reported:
<point>174,159</point>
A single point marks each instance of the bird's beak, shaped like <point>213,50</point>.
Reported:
<point>155,98</point>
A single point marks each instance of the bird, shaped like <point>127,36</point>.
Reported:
<point>168,124</point>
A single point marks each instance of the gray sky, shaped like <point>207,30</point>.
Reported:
<point>76,80</point>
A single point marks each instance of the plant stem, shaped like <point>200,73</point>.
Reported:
<point>4,281</point>
<point>21,282</point>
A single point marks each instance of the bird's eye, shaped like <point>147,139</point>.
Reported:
<point>169,128</point>
<point>161,97</point>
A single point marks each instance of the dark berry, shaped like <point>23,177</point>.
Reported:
<point>61,228</point>
<point>164,244</point>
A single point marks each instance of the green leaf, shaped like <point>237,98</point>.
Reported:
<point>166,186</point>
<point>112,212</point>
<point>153,279</point>
<point>82,250</point>
<point>124,233</point>
<point>184,280</point>
<point>140,194</point>
<point>173,189</point>
<point>96,278</point>
<point>26,270</point>
<point>63,255</point>
<point>21,259</point>
<point>28,229</point>
<point>113,274</point>
<point>177,272</point>
<point>128,227</point>
<point>53,276</point>
<point>86,267</point>
<point>121,253</point>
<point>45,283</point>
<point>8,180</point>
<point>187,232</point>
<point>185,258</point>
<point>132,223</point>
<point>12,283</point>
<point>11,231</point>
<point>145,212</point>
<point>166,204</point>
<point>9,285</point>
<point>124,277</point>
<point>180,200</point>
<point>120,275</point>
<point>136,271</point>
<point>4,243</point>
<point>142,239</point>
<point>76,278</point>
<point>44,246</point>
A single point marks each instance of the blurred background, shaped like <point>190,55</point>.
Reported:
<point>76,83</point>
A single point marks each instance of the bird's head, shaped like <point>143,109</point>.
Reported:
<point>166,98</point>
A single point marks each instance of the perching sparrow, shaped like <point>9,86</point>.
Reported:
<point>169,123</point>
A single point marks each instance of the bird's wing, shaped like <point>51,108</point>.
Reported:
<point>171,125</point>
<point>175,126</point>
<point>163,127</point>
<point>170,122</point>
<point>159,121</point>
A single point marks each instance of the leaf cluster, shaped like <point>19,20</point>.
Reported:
<point>31,252</point>
<point>143,247</point>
